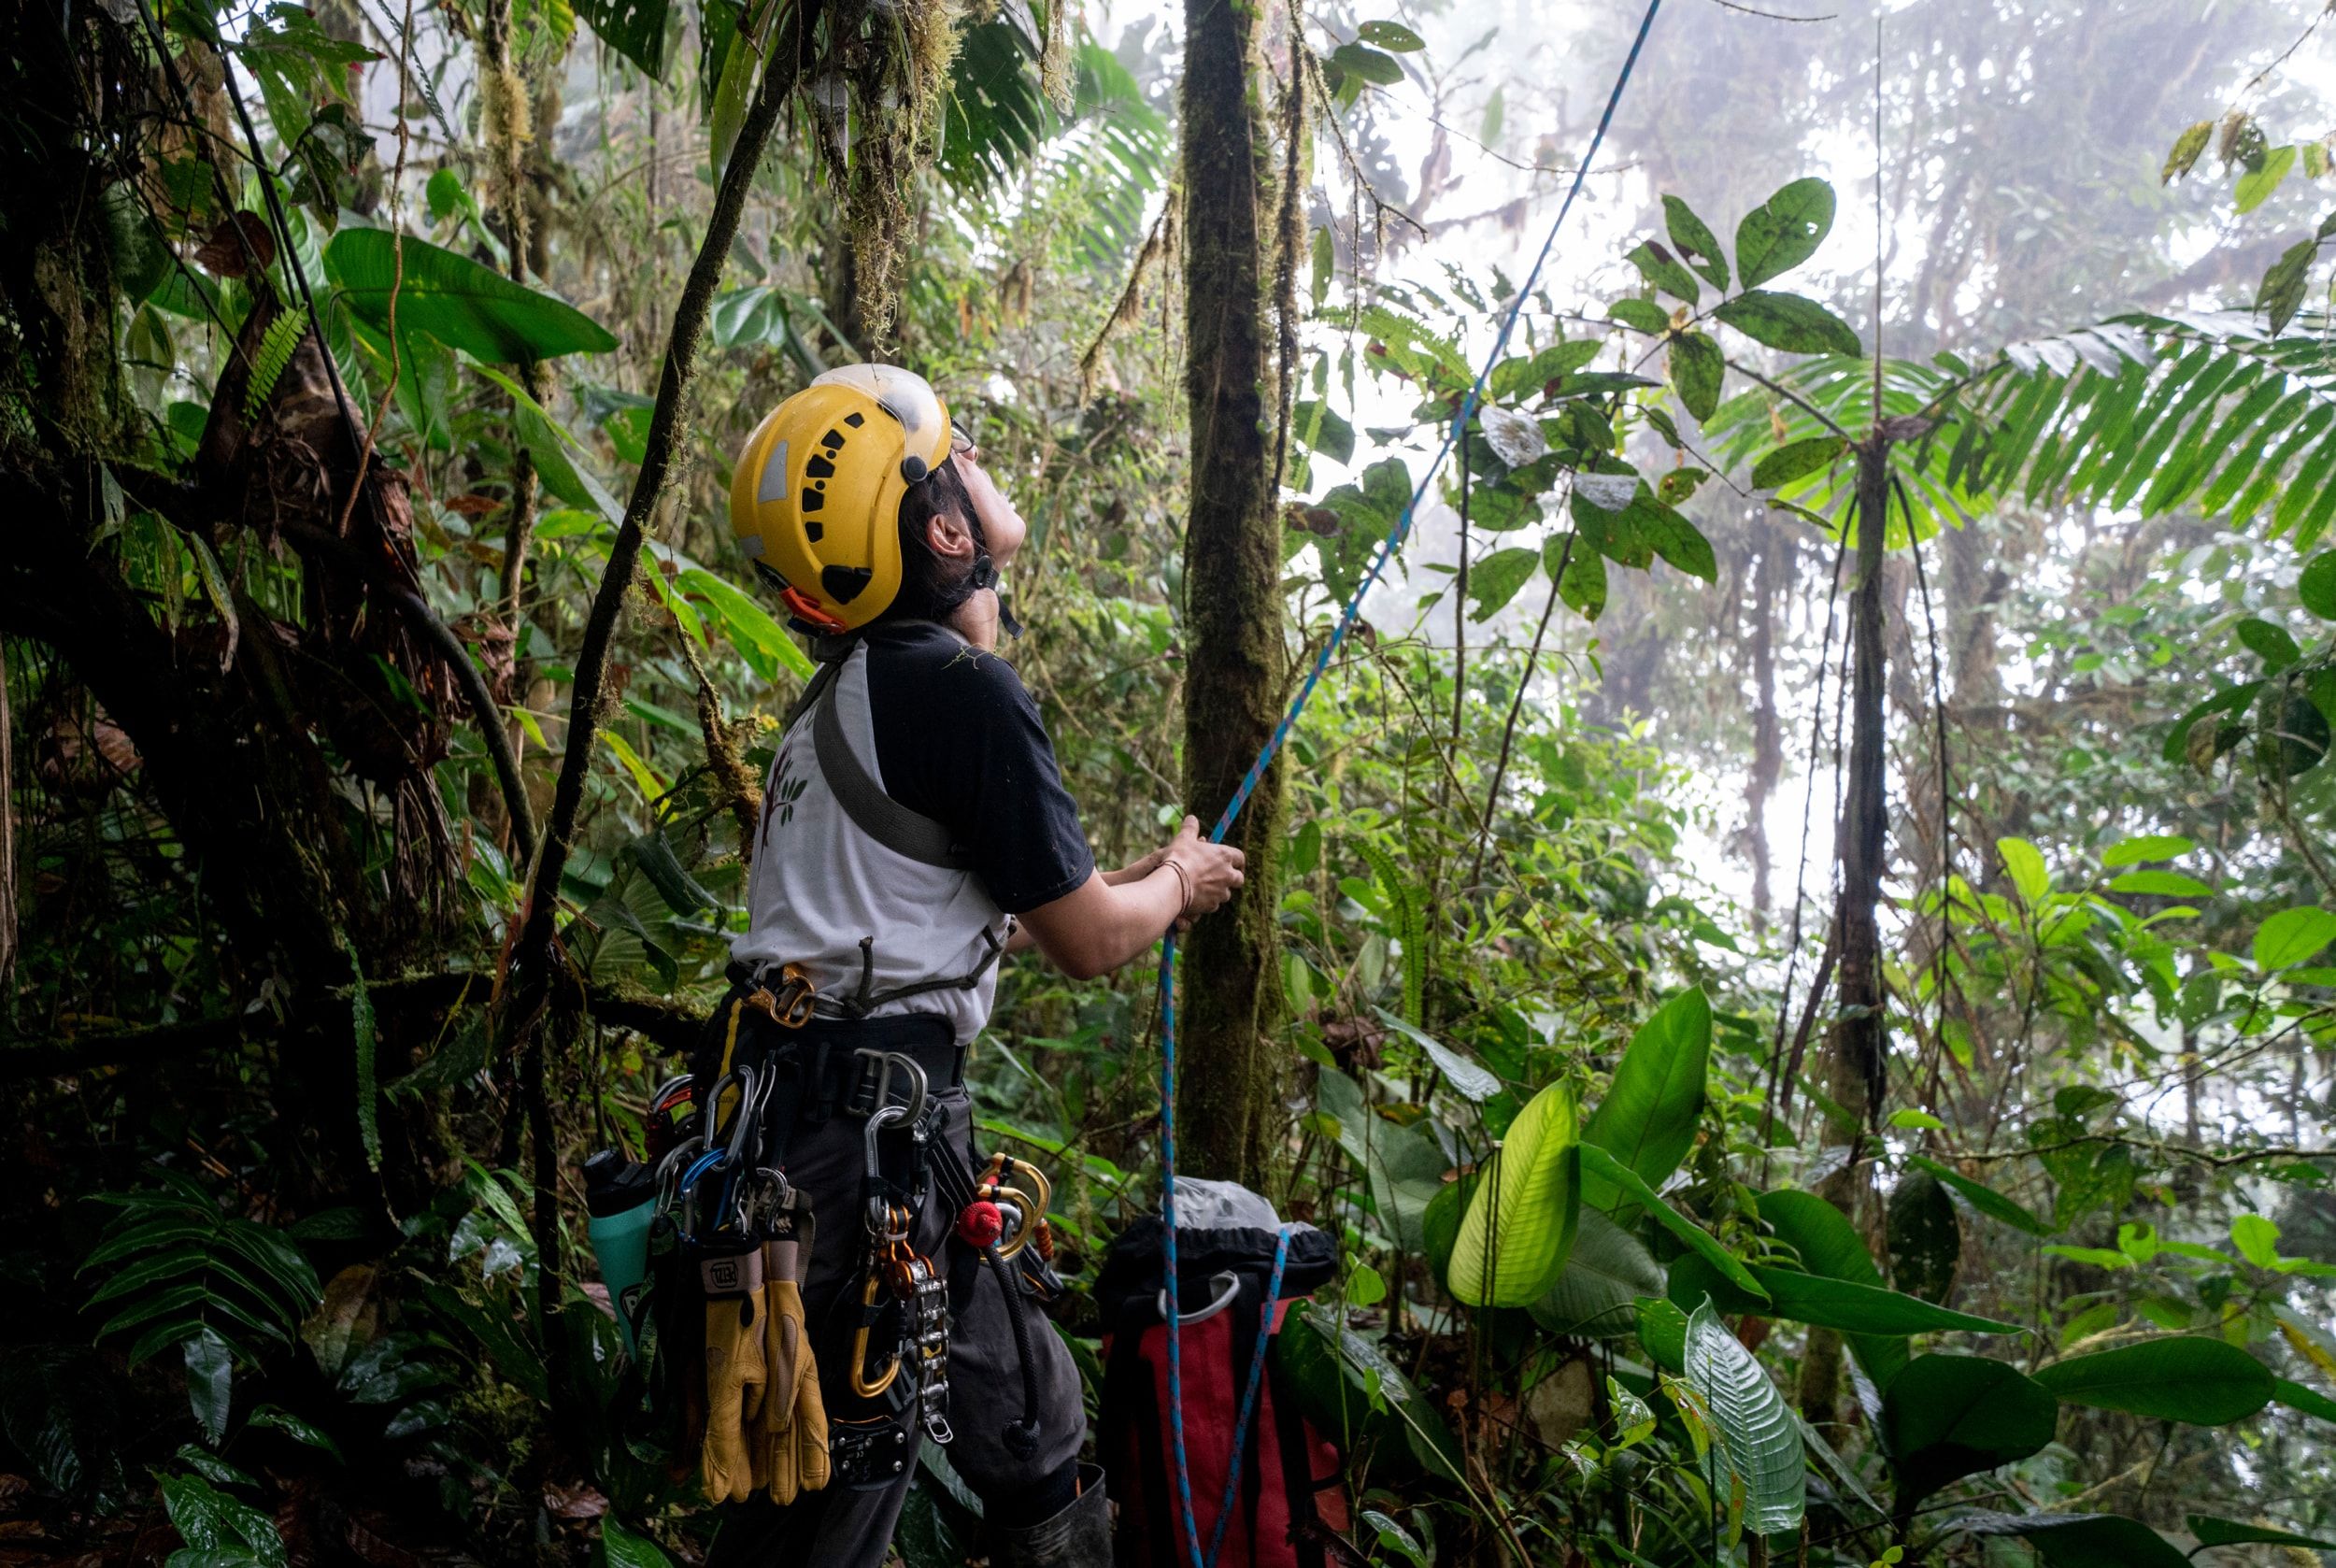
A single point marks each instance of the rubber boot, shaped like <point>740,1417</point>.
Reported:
<point>1079,1536</point>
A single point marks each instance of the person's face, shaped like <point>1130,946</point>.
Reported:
<point>1002,527</point>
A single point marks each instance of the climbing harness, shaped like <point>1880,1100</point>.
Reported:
<point>1347,618</point>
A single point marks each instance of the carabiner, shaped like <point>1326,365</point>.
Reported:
<point>861,1384</point>
<point>1030,1213</point>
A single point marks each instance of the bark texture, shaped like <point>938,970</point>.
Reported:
<point>1228,1102</point>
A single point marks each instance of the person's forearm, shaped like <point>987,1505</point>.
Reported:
<point>1103,924</point>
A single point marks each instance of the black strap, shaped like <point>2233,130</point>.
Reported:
<point>910,834</point>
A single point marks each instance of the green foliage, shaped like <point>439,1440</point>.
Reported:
<point>1756,1435</point>
<point>1648,1116</point>
<point>173,1273</point>
<point>1947,1416</point>
<point>1518,1231</point>
<point>277,347</point>
<point>2207,1381</point>
<point>2080,1540</point>
<point>455,300</point>
<point>1783,232</point>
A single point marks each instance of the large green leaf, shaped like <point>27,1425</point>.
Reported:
<point>2212,1532</point>
<point>2207,1382</point>
<point>1827,1304</point>
<point>2082,1540</point>
<point>1979,1195</point>
<point>1519,1230</point>
<point>1648,1118</point>
<point>1663,1333</point>
<point>209,1520</point>
<point>633,28</point>
<point>1403,1163</point>
<point>620,1548</point>
<point>1349,1389</point>
<point>1948,1416</point>
<point>1607,1273</point>
<point>1790,323</point>
<point>1597,1161</point>
<point>2310,1402</point>
<point>455,300</point>
<point>1830,1246</point>
<point>1697,369</point>
<point>1694,240</point>
<point>1755,1430</point>
<point>556,452</point>
<point>1784,231</point>
<point>1926,1239</point>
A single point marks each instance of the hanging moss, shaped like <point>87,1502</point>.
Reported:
<point>896,55</point>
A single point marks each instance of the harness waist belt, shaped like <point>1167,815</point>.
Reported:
<point>829,1052</point>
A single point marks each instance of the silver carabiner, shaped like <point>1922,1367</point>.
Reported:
<point>879,1220</point>
<point>886,1063</point>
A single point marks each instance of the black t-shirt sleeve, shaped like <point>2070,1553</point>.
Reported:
<point>959,739</point>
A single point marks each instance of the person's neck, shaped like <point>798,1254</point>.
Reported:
<point>976,619</point>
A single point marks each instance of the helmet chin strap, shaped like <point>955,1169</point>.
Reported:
<point>986,576</point>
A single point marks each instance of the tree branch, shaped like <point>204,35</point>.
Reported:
<point>531,960</point>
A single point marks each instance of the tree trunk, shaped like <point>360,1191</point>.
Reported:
<point>1856,1044</point>
<point>1236,660</point>
<point>1770,574</point>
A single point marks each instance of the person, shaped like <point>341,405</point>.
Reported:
<point>915,831</point>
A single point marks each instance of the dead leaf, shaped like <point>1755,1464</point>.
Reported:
<point>577,1503</point>
<point>236,244</point>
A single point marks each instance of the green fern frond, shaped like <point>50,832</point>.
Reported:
<point>1406,922</point>
<point>277,347</point>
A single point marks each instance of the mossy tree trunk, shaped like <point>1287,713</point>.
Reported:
<point>1237,658</point>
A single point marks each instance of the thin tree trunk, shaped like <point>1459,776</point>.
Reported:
<point>534,961</point>
<point>1769,577</point>
<point>1227,1102</point>
<point>1856,1043</point>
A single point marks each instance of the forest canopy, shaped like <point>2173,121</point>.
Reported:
<point>1775,569</point>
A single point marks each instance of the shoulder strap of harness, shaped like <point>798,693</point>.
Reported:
<point>910,834</point>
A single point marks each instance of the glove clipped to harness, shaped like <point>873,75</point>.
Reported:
<point>736,1368</point>
<point>790,1435</point>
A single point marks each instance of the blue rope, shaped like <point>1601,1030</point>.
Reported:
<point>1387,547</point>
<point>1249,1395</point>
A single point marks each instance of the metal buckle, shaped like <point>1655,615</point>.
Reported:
<point>872,1084</point>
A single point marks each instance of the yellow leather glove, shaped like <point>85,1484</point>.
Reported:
<point>791,1438</point>
<point>735,1371</point>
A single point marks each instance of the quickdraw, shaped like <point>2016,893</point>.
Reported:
<point>895,1267</point>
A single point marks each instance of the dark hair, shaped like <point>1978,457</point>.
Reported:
<point>932,586</point>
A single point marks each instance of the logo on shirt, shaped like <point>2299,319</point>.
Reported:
<point>784,790</point>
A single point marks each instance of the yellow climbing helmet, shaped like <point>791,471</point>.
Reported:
<point>816,498</point>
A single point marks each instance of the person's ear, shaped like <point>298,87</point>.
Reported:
<point>948,537</point>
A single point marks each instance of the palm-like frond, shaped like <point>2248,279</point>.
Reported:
<point>2155,412</point>
<point>2145,412</point>
<point>997,123</point>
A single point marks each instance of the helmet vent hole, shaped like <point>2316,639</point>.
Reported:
<point>855,420</point>
<point>819,468</point>
<point>832,440</point>
<point>812,500</point>
<point>844,584</point>
<point>815,532</point>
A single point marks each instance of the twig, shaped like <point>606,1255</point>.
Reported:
<point>397,280</point>
<point>533,955</point>
<point>1516,705</point>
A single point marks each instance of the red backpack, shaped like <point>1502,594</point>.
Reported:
<point>1288,1483</point>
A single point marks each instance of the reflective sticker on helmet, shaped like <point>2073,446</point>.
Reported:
<point>774,485</point>
<point>750,546</point>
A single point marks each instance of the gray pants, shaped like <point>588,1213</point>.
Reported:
<point>849,1525</point>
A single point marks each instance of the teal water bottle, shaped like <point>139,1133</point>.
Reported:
<point>620,1195</point>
